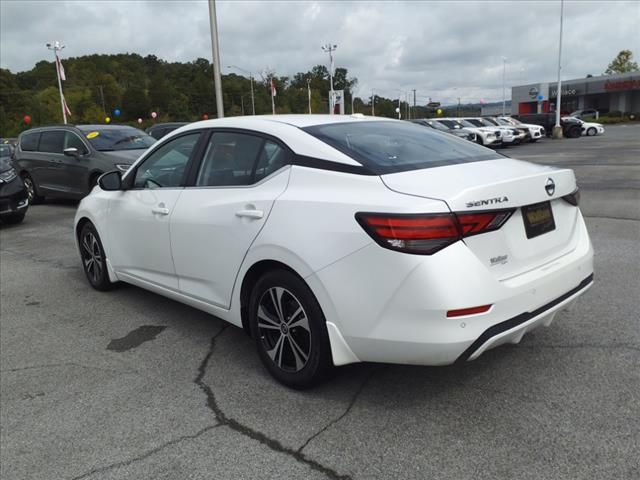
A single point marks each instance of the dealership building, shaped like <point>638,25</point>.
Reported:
<point>607,93</point>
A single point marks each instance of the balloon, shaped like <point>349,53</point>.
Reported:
<point>154,114</point>
<point>107,120</point>
<point>139,120</point>
<point>439,111</point>
<point>27,119</point>
<point>205,117</point>
<point>116,112</point>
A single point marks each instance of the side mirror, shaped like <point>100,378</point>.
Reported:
<point>111,181</point>
<point>71,152</point>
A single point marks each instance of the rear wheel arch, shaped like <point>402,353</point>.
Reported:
<point>250,278</point>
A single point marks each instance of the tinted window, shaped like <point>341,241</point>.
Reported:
<point>71,140</point>
<point>116,138</point>
<point>386,147</point>
<point>272,157</point>
<point>229,160</point>
<point>165,167</point>
<point>448,123</point>
<point>29,142</point>
<point>52,141</point>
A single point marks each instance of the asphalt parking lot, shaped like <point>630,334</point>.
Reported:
<point>128,384</point>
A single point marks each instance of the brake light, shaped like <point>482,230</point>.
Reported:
<point>468,311</point>
<point>426,234</point>
<point>573,198</point>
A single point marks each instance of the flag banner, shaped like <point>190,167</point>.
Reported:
<point>60,69</point>
<point>66,107</point>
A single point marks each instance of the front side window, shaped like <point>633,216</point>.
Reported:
<point>71,140</point>
<point>388,147</point>
<point>165,167</point>
<point>29,142</point>
<point>52,141</point>
<point>229,160</point>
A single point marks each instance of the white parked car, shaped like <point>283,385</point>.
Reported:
<point>508,135</point>
<point>342,239</point>
<point>484,136</point>
<point>536,132</point>
<point>589,129</point>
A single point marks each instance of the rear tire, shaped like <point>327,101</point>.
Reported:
<point>32,189</point>
<point>290,330</point>
<point>94,260</point>
<point>13,218</point>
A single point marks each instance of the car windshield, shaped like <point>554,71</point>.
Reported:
<point>439,126</point>
<point>475,122</point>
<point>448,123</point>
<point>502,121</point>
<point>490,121</point>
<point>513,121</point>
<point>117,138</point>
<point>467,124</point>
<point>389,147</point>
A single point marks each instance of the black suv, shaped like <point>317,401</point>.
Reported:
<point>65,161</point>
<point>571,127</point>
<point>159,130</point>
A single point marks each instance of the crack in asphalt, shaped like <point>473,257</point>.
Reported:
<point>345,413</point>
<point>271,443</point>
<point>146,454</point>
<point>34,258</point>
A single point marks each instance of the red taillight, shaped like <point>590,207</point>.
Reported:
<point>427,233</point>
<point>468,311</point>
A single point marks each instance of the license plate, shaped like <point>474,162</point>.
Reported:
<point>538,219</point>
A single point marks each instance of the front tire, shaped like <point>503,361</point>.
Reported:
<point>591,132</point>
<point>290,330</point>
<point>32,190</point>
<point>94,260</point>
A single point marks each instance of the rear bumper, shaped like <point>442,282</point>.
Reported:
<point>391,307</point>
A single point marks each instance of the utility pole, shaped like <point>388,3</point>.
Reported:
<point>557,129</point>
<point>504,76</point>
<point>330,48</point>
<point>253,103</point>
<point>373,101</point>
<point>56,47</point>
<point>458,107</point>
<point>309,93</point>
<point>352,99</point>
<point>414,98</point>
<point>102,98</point>
<point>217,79</point>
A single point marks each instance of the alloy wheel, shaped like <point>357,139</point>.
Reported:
<point>31,193</point>
<point>284,330</point>
<point>92,257</point>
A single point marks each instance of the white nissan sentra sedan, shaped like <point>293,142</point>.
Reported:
<point>341,239</point>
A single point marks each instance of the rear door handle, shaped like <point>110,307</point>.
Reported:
<point>255,214</point>
<point>160,210</point>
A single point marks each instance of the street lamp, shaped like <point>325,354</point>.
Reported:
<point>557,129</point>
<point>56,47</point>
<point>329,48</point>
<point>253,103</point>
<point>504,75</point>
<point>215,50</point>
<point>373,101</point>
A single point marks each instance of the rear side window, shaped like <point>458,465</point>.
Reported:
<point>52,142</point>
<point>388,147</point>
<point>272,158</point>
<point>29,142</point>
<point>229,160</point>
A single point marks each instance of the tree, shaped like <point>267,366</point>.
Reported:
<point>622,63</point>
<point>135,102</point>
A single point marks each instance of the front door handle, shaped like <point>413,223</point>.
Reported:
<point>160,210</point>
<point>255,214</point>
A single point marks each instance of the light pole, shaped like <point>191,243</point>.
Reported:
<point>56,47</point>
<point>504,76</point>
<point>330,48</point>
<point>217,79</point>
<point>557,129</point>
<point>309,93</point>
<point>253,103</point>
<point>373,101</point>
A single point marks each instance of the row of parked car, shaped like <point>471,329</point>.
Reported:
<point>503,131</point>
<point>65,161</point>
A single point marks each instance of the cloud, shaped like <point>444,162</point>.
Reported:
<point>444,50</point>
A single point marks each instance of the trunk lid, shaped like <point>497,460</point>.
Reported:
<point>502,184</point>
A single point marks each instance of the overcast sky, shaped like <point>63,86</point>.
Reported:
<point>444,50</point>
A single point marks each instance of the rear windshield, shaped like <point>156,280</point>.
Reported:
<point>118,138</point>
<point>388,147</point>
